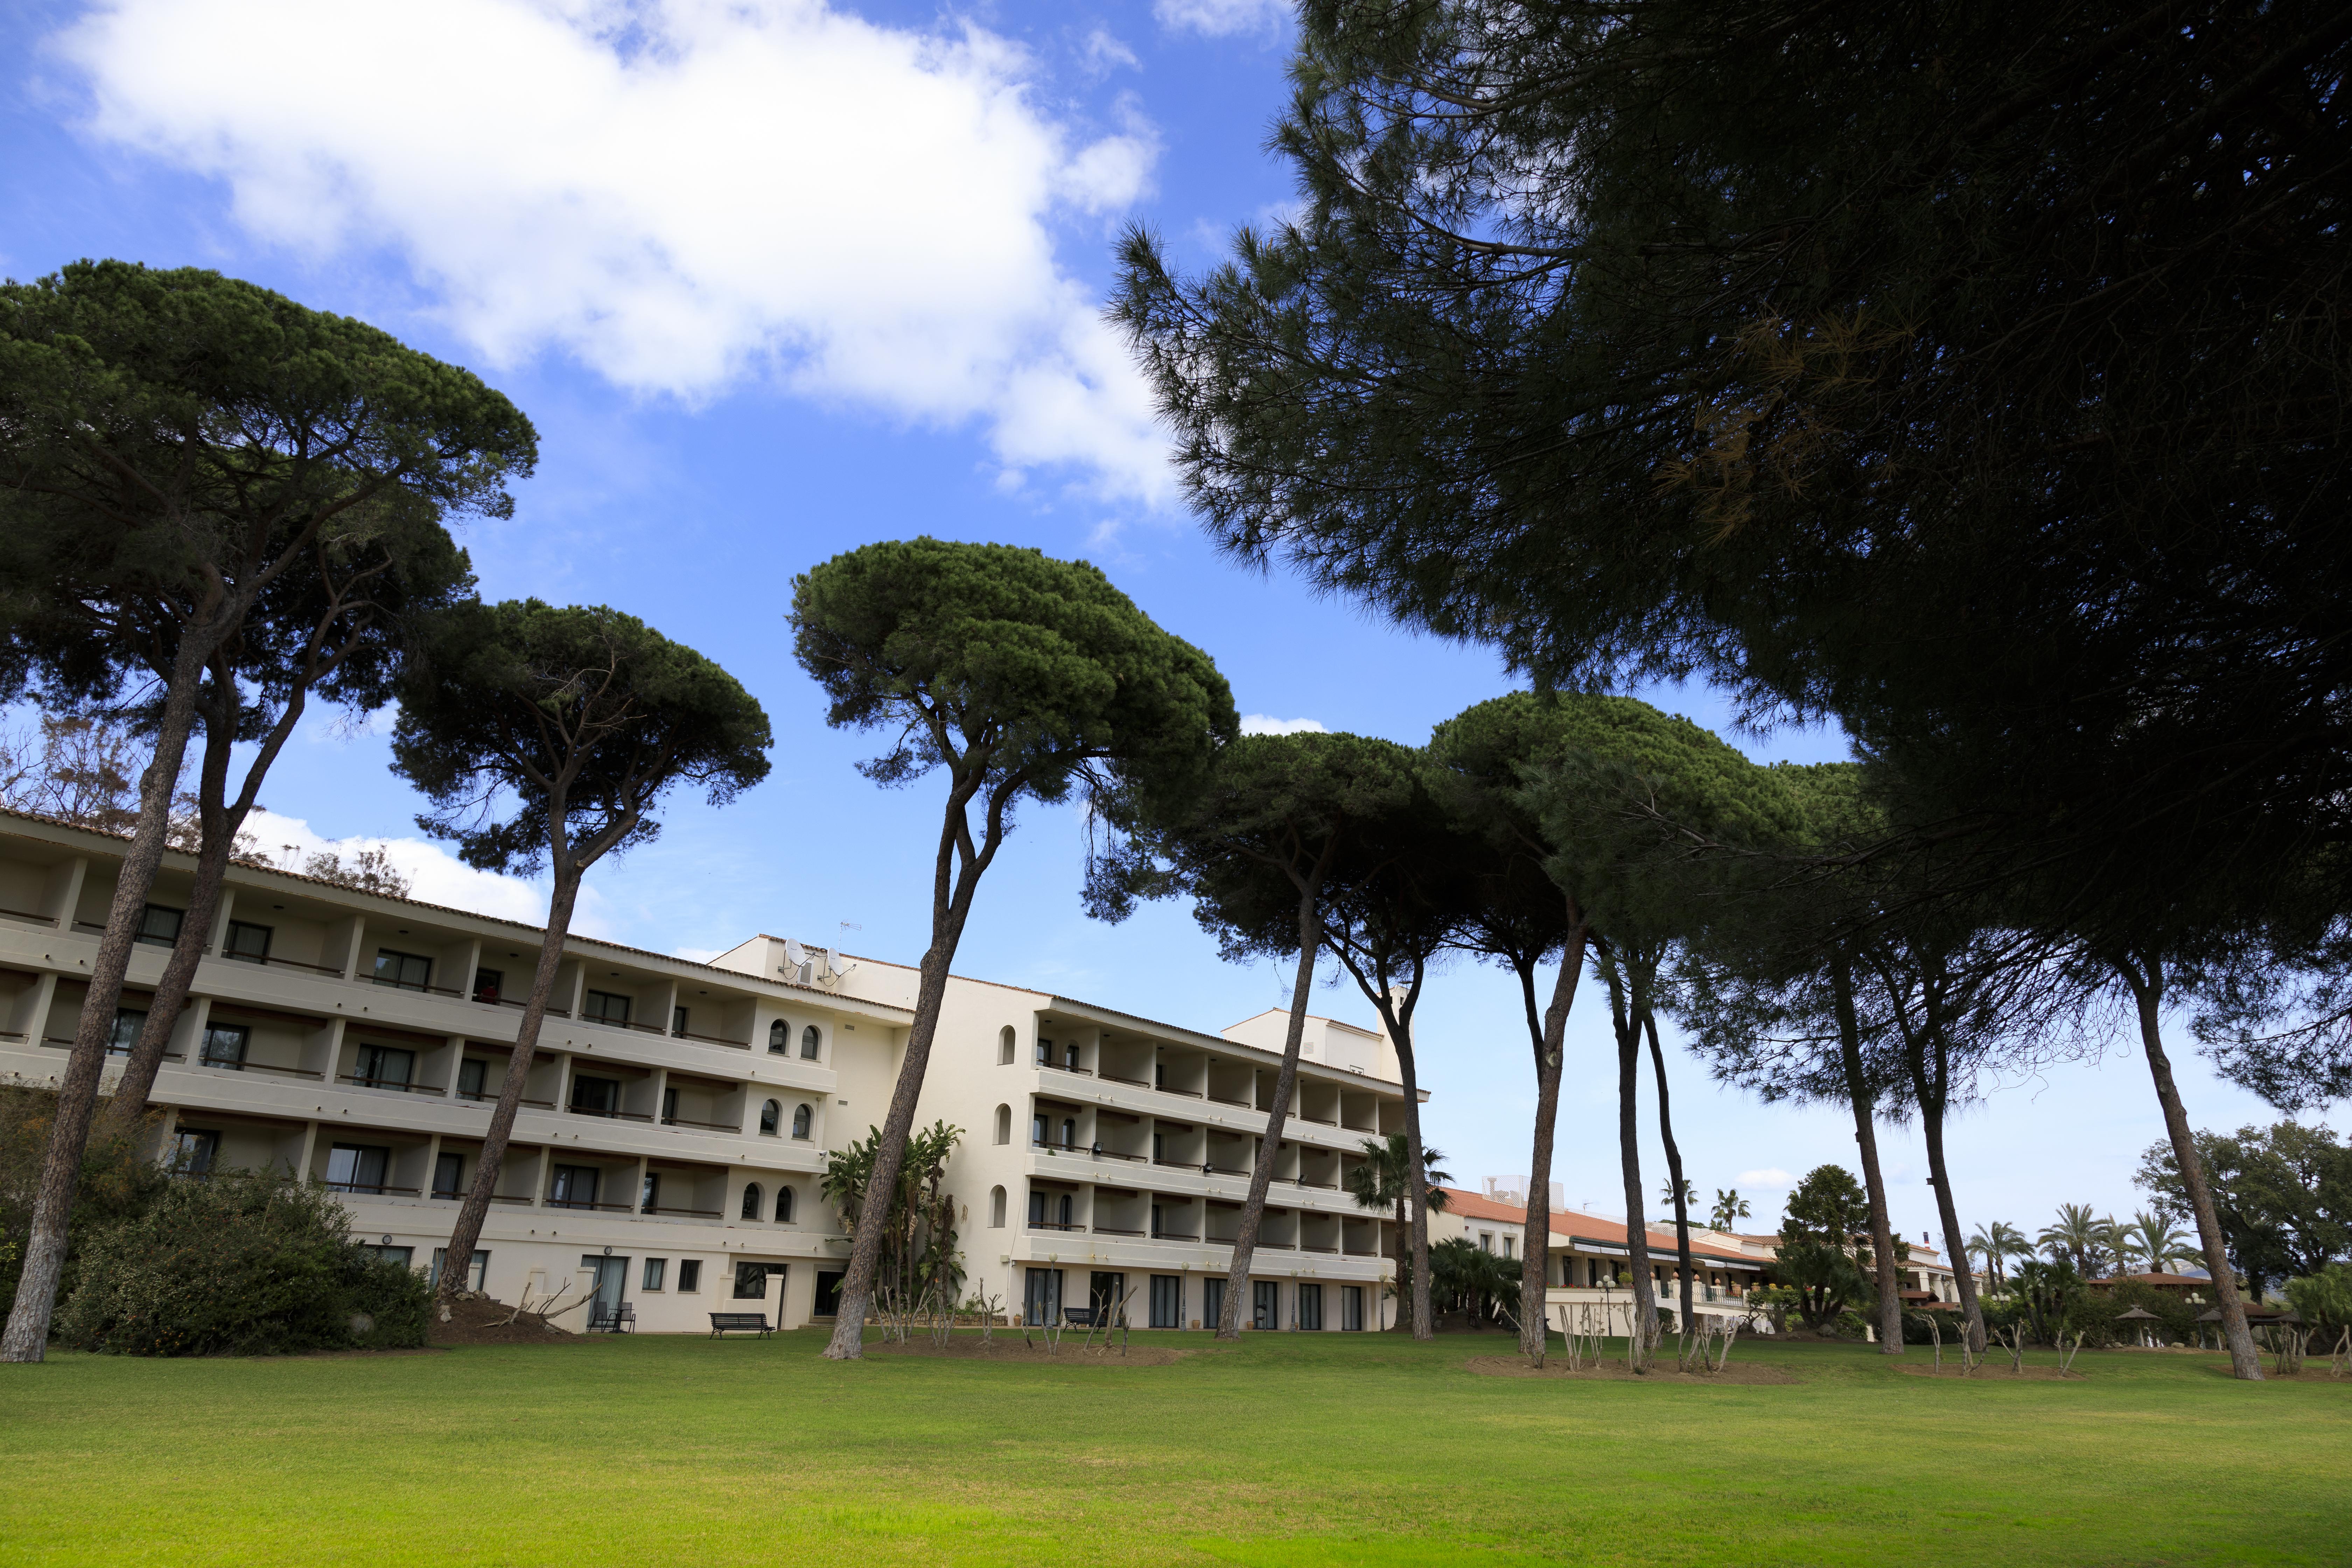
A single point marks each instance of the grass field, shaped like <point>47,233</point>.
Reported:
<point>1287,1451</point>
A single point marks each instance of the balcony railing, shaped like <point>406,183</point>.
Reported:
<point>30,917</point>
<point>401,1084</point>
<point>582,1203</point>
<point>1174,1236</point>
<point>1057,1066</point>
<point>706,1126</point>
<point>1116,1230</point>
<point>684,1214</point>
<point>612,1115</point>
<point>488,1099</point>
<point>711,1039</point>
<point>1332,1250</point>
<point>372,1189</point>
<point>1221,1100</point>
<point>1053,1224</point>
<point>1110,1077</point>
<point>268,961</point>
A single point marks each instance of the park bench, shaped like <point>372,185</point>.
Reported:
<point>605,1320</point>
<point>1078,1317</point>
<point>750,1323</point>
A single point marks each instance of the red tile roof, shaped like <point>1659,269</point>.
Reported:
<point>1571,1223</point>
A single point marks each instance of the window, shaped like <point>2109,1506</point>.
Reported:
<point>655,1269</point>
<point>1508,1243</point>
<point>752,1201</point>
<point>669,1106</point>
<point>448,1175</point>
<point>809,1043</point>
<point>1040,1296</point>
<point>772,1116</point>
<point>690,1275</point>
<point>1005,1124</point>
<point>1310,1308</point>
<point>1167,1300</point>
<point>1160,1074</point>
<point>1070,1058</point>
<point>1351,1309</point>
<point>225,1046</point>
<point>803,1118</point>
<point>996,1208</point>
<point>779,1036</point>
<point>399,1254</point>
<point>784,1206</point>
<point>1041,1130</point>
<point>128,1022</point>
<point>1485,1241</point>
<point>606,1007</point>
<point>677,1020</point>
<point>382,1066</point>
<point>1004,1046</point>
<point>1063,1209</point>
<point>752,1281</point>
<point>470,1074</point>
<point>1036,1208</point>
<point>356,1167</point>
<point>649,1196</point>
<point>596,1096</point>
<point>1265,1304</point>
<point>247,943</point>
<point>192,1153</point>
<point>575,1187</point>
<point>1070,1133</point>
<point>402,971</point>
<point>489,984</point>
<point>1044,1052</point>
<point>478,1267</point>
<point>1212,1301</point>
<point>1159,1148</point>
<point>159,925</point>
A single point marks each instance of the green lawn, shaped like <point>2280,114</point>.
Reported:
<point>1289,1451</point>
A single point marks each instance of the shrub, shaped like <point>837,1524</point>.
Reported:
<point>239,1264</point>
<point>117,1181</point>
<point>2324,1300</point>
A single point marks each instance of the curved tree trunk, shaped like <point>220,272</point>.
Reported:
<point>1535,1245</point>
<point>457,1259</point>
<point>1674,1162</point>
<point>1269,1149</point>
<point>1931,1120</point>
<point>2146,979</point>
<point>1416,1178</point>
<point>1865,1136</point>
<point>28,1335</point>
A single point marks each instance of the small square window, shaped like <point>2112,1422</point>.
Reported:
<point>402,971</point>
<point>225,1046</point>
<point>606,1007</point>
<point>128,1022</point>
<point>159,925</point>
<point>488,984</point>
<point>247,943</point>
<point>656,1267</point>
<point>690,1275</point>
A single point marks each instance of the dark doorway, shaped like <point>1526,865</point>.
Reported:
<point>828,1294</point>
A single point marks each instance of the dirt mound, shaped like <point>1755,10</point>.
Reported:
<point>1072,1353</point>
<point>1996,1373</point>
<point>1616,1372</point>
<point>478,1321</point>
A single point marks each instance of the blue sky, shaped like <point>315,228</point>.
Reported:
<point>776,280</point>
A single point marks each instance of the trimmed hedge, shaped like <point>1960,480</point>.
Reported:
<point>240,1264</point>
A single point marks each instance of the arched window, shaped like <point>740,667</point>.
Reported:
<point>752,1201</point>
<point>809,1043</point>
<point>780,1035</point>
<point>1004,1046</point>
<point>996,1208</point>
<point>769,1114</point>
<point>1065,1211</point>
<point>1041,1130</point>
<point>1070,1133</point>
<point>1005,1124</point>
<point>802,1119</point>
<point>784,1206</point>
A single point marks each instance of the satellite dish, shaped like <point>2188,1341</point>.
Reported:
<point>832,964</point>
<point>794,955</point>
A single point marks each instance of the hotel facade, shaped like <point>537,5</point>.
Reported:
<point>677,1115</point>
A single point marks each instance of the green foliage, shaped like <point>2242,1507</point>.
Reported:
<point>1824,1248</point>
<point>575,717</point>
<point>2050,1296</point>
<point>2324,1300</point>
<point>1003,664</point>
<point>1384,1180</point>
<point>2283,1195</point>
<point>919,1247</point>
<point>175,443</point>
<point>118,1181</point>
<point>1467,1278</point>
<point>238,1263</point>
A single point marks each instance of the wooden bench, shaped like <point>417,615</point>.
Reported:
<point>750,1323</point>
<point>613,1319</point>
<point>1079,1317</point>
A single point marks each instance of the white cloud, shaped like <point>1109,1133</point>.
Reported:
<point>1222,18</point>
<point>680,193</point>
<point>1771,1176</point>
<point>1103,52</point>
<point>1264,725</point>
<point>435,875</point>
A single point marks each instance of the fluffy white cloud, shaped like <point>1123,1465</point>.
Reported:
<point>678,192</point>
<point>1222,18</point>
<point>1264,724</point>
<point>436,876</point>
<point>1771,1176</point>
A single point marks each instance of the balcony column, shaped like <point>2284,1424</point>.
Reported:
<point>665,1005</point>
<point>218,935</point>
<point>343,944</point>
<point>432,1162</point>
<point>188,1031</point>
<point>61,895</point>
<point>661,1092</point>
<point>30,1016</point>
<point>310,1152</point>
<point>637,1193</point>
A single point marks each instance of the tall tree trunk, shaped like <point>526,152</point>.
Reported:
<point>27,1334</point>
<point>457,1261</point>
<point>1413,1211</point>
<point>1644,1321</point>
<point>1310,939</point>
<point>1674,1160</point>
<point>2145,976</point>
<point>1866,1136</point>
<point>1926,1052</point>
<point>1535,1245</point>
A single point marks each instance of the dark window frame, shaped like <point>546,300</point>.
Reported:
<point>399,979</point>
<point>230,948</point>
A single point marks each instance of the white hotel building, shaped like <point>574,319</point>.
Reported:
<point>677,1115</point>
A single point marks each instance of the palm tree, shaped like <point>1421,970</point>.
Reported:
<point>1382,1182</point>
<point>1996,1244</point>
<point>2074,1236</point>
<point>2153,1241</point>
<point>1729,1209</point>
